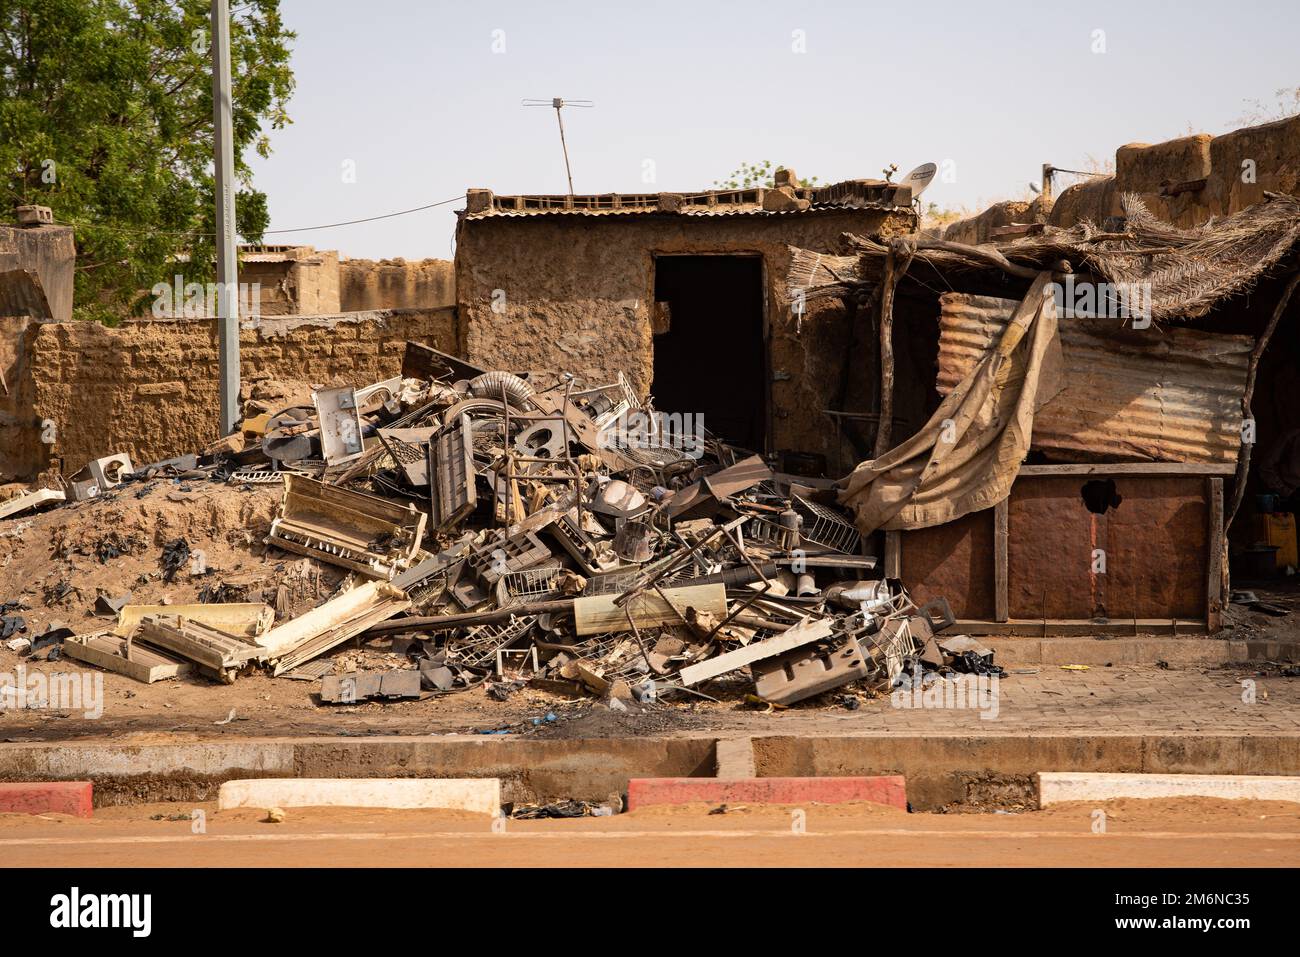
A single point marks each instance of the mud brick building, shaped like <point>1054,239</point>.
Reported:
<point>683,293</point>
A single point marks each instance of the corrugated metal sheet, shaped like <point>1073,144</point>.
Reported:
<point>1162,395</point>
<point>739,210</point>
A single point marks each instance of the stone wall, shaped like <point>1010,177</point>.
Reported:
<point>396,284</point>
<point>576,293</point>
<point>149,387</point>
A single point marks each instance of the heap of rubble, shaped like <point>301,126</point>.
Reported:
<point>502,533</point>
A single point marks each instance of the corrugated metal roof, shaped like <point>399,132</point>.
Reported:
<point>1166,395</point>
<point>693,211</point>
<point>851,194</point>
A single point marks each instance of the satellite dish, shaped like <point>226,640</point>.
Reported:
<point>919,178</point>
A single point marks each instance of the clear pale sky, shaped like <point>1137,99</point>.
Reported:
<point>413,94</point>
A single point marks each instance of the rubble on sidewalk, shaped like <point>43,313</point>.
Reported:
<point>502,535</point>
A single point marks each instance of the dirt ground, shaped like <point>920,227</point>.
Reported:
<point>114,544</point>
<point>1138,833</point>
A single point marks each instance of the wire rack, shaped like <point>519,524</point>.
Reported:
<point>530,584</point>
<point>827,528</point>
<point>479,646</point>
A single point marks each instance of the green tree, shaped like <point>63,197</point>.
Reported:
<point>106,117</point>
<point>755,175</point>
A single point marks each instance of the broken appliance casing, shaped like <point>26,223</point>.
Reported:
<point>365,533</point>
<point>339,414</point>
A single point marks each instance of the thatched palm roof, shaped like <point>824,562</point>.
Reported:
<point>1189,270</point>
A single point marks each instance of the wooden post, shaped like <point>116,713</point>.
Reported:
<point>1001,599</point>
<point>1243,459</point>
<point>893,554</point>
<point>896,263</point>
<point>1215,547</point>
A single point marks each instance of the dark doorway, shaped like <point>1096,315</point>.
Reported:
<point>710,354</point>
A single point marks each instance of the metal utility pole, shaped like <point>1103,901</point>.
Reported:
<point>223,148</point>
<point>559,103</point>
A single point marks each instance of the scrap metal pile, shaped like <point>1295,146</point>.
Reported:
<point>500,533</point>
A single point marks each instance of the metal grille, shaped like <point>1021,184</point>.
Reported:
<point>479,647</point>
<point>531,584</point>
<point>821,526</point>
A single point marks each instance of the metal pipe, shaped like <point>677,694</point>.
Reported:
<point>223,148</point>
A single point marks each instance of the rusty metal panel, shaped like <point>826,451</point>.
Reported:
<point>1155,545</point>
<point>1166,395</point>
<point>952,561</point>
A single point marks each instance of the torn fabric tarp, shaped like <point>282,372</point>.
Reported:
<point>967,455</point>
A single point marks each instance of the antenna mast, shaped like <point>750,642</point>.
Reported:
<point>559,103</point>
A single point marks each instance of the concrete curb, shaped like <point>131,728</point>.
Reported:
<point>1191,652</point>
<point>647,792</point>
<point>479,795</point>
<point>47,797</point>
<point>1055,787</point>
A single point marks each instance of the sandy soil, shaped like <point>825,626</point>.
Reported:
<point>1173,833</point>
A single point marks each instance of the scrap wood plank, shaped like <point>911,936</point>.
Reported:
<point>598,615</point>
<point>107,650</point>
<point>805,632</point>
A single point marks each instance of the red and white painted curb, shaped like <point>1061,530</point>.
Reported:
<point>46,797</point>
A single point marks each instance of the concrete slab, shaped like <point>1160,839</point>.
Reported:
<point>1057,786</point>
<point>734,758</point>
<point>1175,652</point>
<point>645,792</point>
<point>479,795</point>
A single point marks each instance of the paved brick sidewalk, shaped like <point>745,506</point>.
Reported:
<point>1119,700</point>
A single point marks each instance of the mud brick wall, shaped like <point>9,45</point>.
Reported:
<point>396,284</point>
<point>1273,149</point>
<point>150,387</point>
<point>579,290</point>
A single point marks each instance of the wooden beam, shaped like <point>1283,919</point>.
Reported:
<point>1215,544</point>
<point>1080,627</point>
<point>894,554</point>
<point>1243,459</point>
<point>1132,468</point>
<point>1001,598</point>
<point>1187,186</point>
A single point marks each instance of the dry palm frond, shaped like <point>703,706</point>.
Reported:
<point>1188,270</point>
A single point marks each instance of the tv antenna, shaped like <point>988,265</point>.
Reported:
<point>559,103</point>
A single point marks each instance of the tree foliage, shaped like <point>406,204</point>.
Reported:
<point>106,117</point>
<point>754,176</point>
